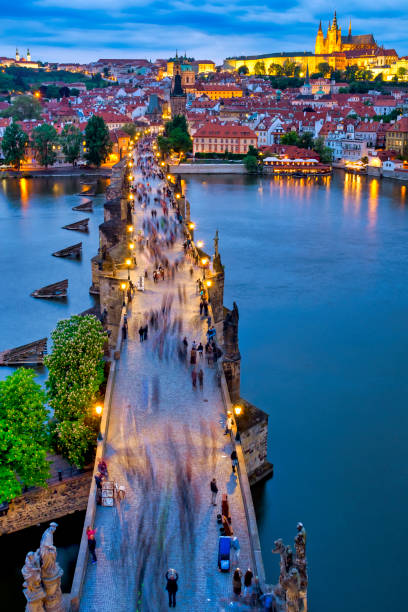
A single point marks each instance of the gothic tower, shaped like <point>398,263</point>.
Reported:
<point>28,55</point>
<point>178,98</point>
<point>319,46</point>
<point>17,56</point>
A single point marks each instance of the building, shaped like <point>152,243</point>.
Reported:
<point>215,91</point>
<point>334,42</point>
<point>203,66</point>
<point>178,97</point>
<point>396,138</point>
<point>214,137</point>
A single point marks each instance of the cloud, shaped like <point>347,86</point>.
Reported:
<point>83,30</point>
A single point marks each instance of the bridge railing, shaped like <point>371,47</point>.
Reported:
<point>82,560</point>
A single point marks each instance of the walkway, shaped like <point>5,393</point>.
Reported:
<point>165,443</point>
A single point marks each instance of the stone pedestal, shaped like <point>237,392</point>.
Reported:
<point>252,425</point>
<point>232,371</point>
<point>181,201</point>
<point>53,595</point>
<point>35,601</point>
<point>216,295</point>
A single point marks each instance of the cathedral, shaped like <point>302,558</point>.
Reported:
<point>334,42</point>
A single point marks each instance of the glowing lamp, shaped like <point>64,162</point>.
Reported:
<point>238,409</point>
<point>130,228</point>
<point>177,196</point>
<point>123,286</point>
<point>128,262</point>
<point>98,409</point>
<point>208,283</point>
<point>200,244</point>
<point>191,225</point>
<point>131,246</point>
<point>204,261</point>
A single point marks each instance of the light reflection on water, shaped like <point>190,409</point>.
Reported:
<point>319,271</point>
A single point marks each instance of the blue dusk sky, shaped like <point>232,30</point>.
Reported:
<point>85,30</point>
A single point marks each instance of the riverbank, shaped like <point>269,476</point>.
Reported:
<point>57,172</point>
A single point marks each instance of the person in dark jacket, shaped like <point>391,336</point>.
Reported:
<point>214,491</point>
<point>171,586</point>
<point>234,459</point>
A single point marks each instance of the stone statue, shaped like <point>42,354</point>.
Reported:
<point>50,571</point>
<point>291,584</point>
<point>293,570</point>
<point>33,589</point>
<point>216,240</point>
<point>48,535</point>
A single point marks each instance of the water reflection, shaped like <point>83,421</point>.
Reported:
<point>373,203</point>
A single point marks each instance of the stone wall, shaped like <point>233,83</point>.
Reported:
<point>253,429</point>
<point>44,505</point>
<point>208,169</point>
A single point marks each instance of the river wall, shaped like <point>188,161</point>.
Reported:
<point>44,505</point>
<point>208,169</point>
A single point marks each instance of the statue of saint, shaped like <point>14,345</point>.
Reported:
<point>48,535</point>
<point>32,576</point>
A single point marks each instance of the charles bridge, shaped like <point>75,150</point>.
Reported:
<point>164,440</point>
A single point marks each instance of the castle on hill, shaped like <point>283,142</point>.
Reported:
<point>334,42</point>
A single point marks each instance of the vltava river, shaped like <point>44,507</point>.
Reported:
<point>319,269</point>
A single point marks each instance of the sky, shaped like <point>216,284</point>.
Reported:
<point>86,30</point>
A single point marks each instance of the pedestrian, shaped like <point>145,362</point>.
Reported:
<point>145,331</point>
<point>229,424</point>
<point>236,549</point>
<point>193,356</point>
<point>200,349</point>
<point>102,467</point>
<point>171,586</point>
<point>205,305</point>
<point>214,491</point>
<point>185,342</point>
<point>124,332</point>
<point>201,307</point>
<point>141,333</point>
<point>201,378</point>
<point>98,480</point>
<point>91,542</point>
<point>248,582</point>
<point>210,355</point>
<point>234,459</point>
<point>194,377</point>
<point>236,582</point>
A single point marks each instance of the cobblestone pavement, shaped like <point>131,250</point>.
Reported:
<point>164,444</point>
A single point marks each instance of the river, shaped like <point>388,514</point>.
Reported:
<point>319,270</point>
<point>32,213</point>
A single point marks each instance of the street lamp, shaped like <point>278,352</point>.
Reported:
<point>128,263</point>
<point>238,410</point>
<point>98,409</point>
<point>191,226</point>
<point>130,228</point>
<point>200,244</point>
<point>209,283</point>
<point>123,287</point>
<point>204,262</point>
<point>131,248</point>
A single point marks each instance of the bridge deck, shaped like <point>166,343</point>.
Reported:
<point>165,443</point>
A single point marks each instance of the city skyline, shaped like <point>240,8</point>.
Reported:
<point>58,30</point>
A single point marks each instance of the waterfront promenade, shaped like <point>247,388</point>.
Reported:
<point>165,442</point>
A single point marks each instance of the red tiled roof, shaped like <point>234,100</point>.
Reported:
<point>215,130</point>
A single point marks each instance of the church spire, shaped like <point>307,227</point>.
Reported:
<point>335,21</point>
<point>320,27</point>
<point>349,33</point>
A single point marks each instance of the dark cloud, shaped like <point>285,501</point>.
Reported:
<point>53,28</point>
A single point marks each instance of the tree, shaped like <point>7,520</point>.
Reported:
<point>130,129</point>
<point>44,139</point>
<point>14,144</point>
<point>288,68</point>
<point>24,107</point>
<point>325,153</point>
<point>251,164</point>
<point>24,439</point>
<point>243,70</point>
<point>324,68</point>
<point>180,142</point>
<point>175,136</point>
<point>290,138</point>
<point>71,138</point>
<point>275,69</point>
<point>350,74</point>
<point>75,369</point>
<point>98,142</point>
<point>306,140</point>
<point>401,72</point>
<point>259,67</point>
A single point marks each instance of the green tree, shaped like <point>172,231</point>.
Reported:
<point>275,69</point>
<point>98,142</point>
<point>350,74</point>
<point>325,153</point>
<point>175,136</point>
<point>324,69</point>
<point>75,369</point>
<point>401,72</point>
<point>180,142</point>
<point>24,437</point>
<point>44,139</point>
<point>290,138</point>
<point>288,68</point>
<point>306,140</point>
<point>130,129</point>
<point>243,70</point>
<point>259,67</point>
<point>24,107</point>
<point>71,138</point>
<point>14,144</point>
<point>251,164</point>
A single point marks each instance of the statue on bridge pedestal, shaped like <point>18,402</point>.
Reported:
<point>33,590</point>
<point>42,576</point>
<point>230,331</point>
<point>293,571</point>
